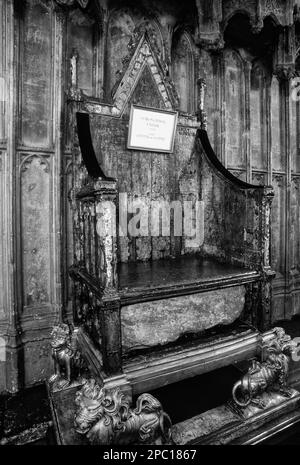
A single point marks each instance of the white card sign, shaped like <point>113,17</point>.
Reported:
<point>152,129</point>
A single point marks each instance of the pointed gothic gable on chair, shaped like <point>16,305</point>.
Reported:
<point>144,71</point>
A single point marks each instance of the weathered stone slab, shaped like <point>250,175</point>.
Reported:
<point>160,322</point>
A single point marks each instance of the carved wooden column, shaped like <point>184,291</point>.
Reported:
<point>11,378</point>
<point>265,315</point>
<point>247,143</point>
<point>284,69</point>
<point>97,256</point>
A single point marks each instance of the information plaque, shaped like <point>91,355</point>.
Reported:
<point>152,129</point>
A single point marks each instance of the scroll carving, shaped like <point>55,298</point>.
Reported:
<point>105,417</point>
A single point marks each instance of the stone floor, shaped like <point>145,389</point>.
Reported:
<point>26,417</point>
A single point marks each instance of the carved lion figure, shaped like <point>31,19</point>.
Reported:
<point>106,417</point>
<point>271,373</point>
<point>65,356</point>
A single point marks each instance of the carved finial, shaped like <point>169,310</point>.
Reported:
<point>202,117</point>
<point>75,92</point>
<point>73,68</point>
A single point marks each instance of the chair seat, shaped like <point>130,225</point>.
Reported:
<point>144,281</point>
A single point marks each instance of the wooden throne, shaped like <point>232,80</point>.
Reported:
<point>153,310</point>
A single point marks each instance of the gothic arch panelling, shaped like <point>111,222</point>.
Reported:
<point>35,191</point>
<point>233,7</point>
<point>68,231</point>
<point>81,33</point>
<point>234,86</point>
<point>3,73</point>
<point>278,224</point>
<point>120,29</point>
<point>183,70</point>
<point>210,70</point>
<point>124,26</point>
<point>2,233</point>
<point>259,117</point>
<point>258,10</point>
<point>295,224</point>
<point>295,122</point>
<point>278,158</point>
<point>36,76</point>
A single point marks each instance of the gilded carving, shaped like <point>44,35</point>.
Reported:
<point>105,417</point>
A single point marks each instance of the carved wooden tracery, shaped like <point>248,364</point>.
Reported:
<point>183,70</point>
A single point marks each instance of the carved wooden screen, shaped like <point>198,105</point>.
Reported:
<point>3,78</point>
<point>82,35</point>
<point>234,84</point>
<point>259,101</point>
<point>246,105</point>
<point>183,70</point>
<point>121,27</point>
<point>278,180</point>
<point>294,243</point>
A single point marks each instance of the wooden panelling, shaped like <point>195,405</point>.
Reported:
<point>258,118</point>
<point>295,134</point>
<point>35,229</point>
<point>3,73</point>
<point>147,177</point>
<point>183,70</point>
<point>209,67</point>
<point>81,33</point>
<point>278,161</point>
<point>121,26</point>
<point>35,92</point>
<point>295,224</point>
<point>30,190</point>
<point>68,233</point>
<point>235,109</point>
<point>278,224</point>
<point>2,235</point>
